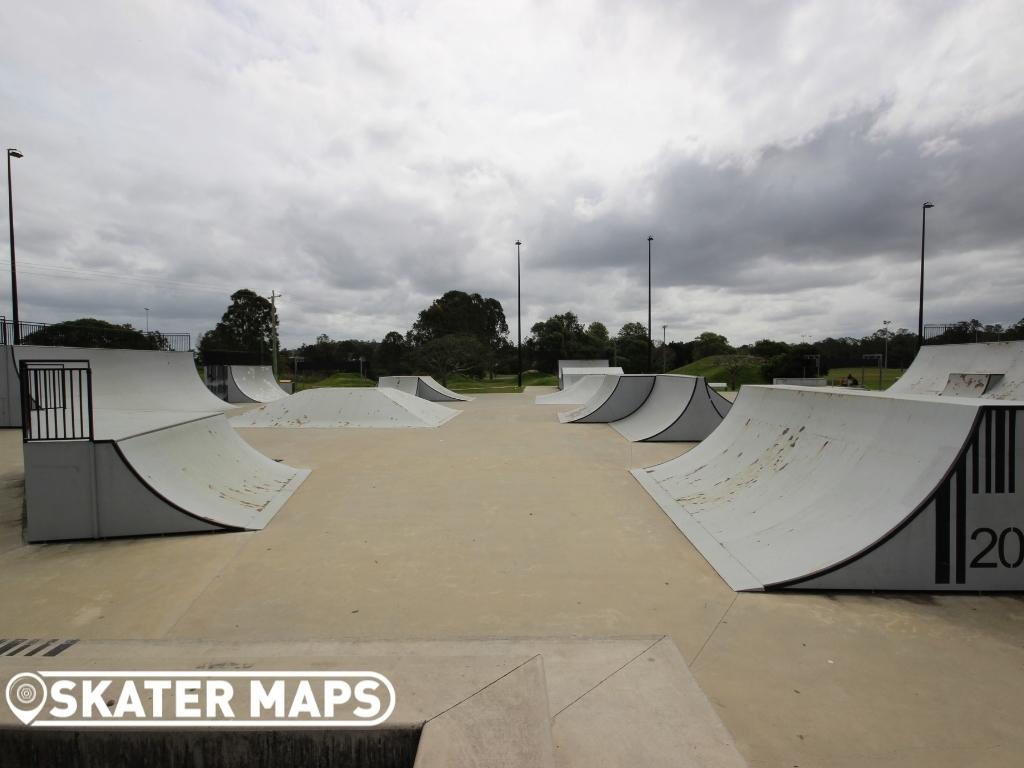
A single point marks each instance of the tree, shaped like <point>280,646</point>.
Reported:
<point>457,312</point>
<point>247,326</point>
<point>631,347</point>
<point>392,355</point>
<point>454,353</point>
<point>560,337</point>
<point>708,344</point>
<point>90,332</point>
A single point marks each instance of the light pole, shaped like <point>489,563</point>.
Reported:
<point>920,305</point>
<point>147,320</point>
<point>664,358</point>
<point>14,272</point>
<point>519,313</point>
<point>650,341</point>
<point>885,333</point>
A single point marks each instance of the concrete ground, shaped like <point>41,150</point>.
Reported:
<point>504,522</point>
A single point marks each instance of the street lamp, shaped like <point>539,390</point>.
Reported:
<point>920,305</point>
<point>147,320</point>
<point>885,334</point>
<point>664,349</point>
<point>519,313</point>
<point>650,341</point>
<point>14,272</point>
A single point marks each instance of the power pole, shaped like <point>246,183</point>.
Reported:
<point>664,349</point>
<point>519,313</point>
<point>273,307</point>
<point>650,340</point>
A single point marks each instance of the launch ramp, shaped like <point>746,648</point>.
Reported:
<point>616,398</point>
<point>422,386</point>
<point>679,409</point>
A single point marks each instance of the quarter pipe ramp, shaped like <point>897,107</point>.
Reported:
<point>616,398</point>
<point>576,394</point>
<point>571,375</point>
<point>244,383</point>
<point>330,407</point>
<point>993,371</point>
<point>152,473</point>
<point>562,364</point>
<point>678,409</point>
<point>122,379</point>
<point>422,386</point>
<point>805,488</point>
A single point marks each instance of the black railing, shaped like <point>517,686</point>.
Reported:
<point>56,400</point>
<point>961,333</point>
<point>73,335</point>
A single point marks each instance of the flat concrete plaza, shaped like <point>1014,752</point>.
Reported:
<point>505,523</point>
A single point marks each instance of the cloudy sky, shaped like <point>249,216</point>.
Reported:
<point>363,157</point>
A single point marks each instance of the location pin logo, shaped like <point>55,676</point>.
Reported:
<point>26,696</point>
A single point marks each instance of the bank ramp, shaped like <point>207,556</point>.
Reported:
<point>425,387</point>
<point>994,371</point>
<point>359,407</point>
<point>809,488</point>
<point>678,409</point>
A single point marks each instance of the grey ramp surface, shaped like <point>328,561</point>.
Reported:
<point>122,379</point>
<point>992,371</point>
<point>572,375</point>
<point>617,397</point>
<point>422,386</point>
<point>359,407</point>
<point>679,409</point>
<point>577,394</point>
<point>578,364</point>
<point>253,384</point>
<point>829,489</point>
<point>192,477</point>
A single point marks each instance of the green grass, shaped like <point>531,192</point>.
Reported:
<point>867,376</point>
<point>334,380</point>
<point>501,383</point>
<point>717,368</point>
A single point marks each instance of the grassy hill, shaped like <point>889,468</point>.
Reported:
<point>735,370</point>
<point>335,380</point>
<point>867,376</point>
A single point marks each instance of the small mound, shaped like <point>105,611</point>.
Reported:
<point>359,407</point>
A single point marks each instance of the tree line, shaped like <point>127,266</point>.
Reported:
<point>466,333</point>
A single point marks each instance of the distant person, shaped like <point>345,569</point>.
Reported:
<point>851,381</point>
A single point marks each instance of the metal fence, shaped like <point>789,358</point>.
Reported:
<point>960,333</point>
<point>72,335</point>
<point>56,400</point>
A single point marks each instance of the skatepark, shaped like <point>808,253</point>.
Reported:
<point>555,538</point>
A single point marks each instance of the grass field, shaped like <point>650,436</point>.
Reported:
<point>867,376</point>
<point>335,380</point>
<point>717,368</point>
<point>504,382</point>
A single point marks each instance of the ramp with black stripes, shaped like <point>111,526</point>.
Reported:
<point>804,488</point>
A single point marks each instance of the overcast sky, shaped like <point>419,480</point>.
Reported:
<point>361,158</point>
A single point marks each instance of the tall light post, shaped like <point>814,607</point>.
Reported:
<point>920,305</point>
<point>14,272</point>
<point>147,320</point>
<point>650,340</point>
<point>885,333</point>
<point>519,313</point>
<point>664,349</point>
